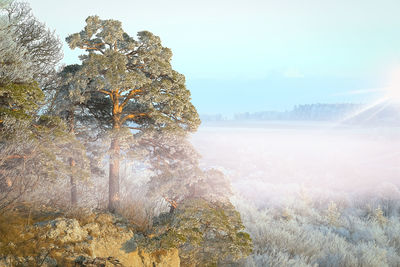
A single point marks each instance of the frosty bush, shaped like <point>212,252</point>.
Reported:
<point>307,229</point>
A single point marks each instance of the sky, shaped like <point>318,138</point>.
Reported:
<point>256,55</point>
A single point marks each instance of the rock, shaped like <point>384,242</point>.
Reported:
<point>110,261</point>
<point>105,241</point>
<point>49,261</point>
<point>64,230</point>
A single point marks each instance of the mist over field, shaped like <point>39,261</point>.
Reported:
<point>309,192</point>
<point>316,155</point>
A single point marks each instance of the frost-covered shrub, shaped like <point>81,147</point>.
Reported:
<point>307,229</point>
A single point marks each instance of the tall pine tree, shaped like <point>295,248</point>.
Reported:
<point>133,87</point>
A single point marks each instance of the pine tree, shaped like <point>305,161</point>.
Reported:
<point>67,97</point>
<point>133,87</point>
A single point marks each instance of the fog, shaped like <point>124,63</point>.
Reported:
<point>270,160</point>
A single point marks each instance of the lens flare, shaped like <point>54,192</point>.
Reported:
<point>392,91</point>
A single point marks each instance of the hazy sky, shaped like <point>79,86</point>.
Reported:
<point>256,55</point>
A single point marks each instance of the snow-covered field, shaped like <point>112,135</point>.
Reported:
<point>312,193</point>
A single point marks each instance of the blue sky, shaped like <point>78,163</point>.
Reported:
<point>257,55</point>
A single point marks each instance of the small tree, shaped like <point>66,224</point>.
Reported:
<point>67,100</point>
<point>174,164</point>
<point>32,146</point>
<point>133,87</point>
<point>206,233</point>
<point>201,222</point>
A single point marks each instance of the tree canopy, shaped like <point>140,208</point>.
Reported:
<point>132,85</point>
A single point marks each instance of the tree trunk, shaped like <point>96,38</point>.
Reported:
<point>113,183</point>
<point>113,198</point>
<point>74,197</point>
<point>171,209</point>
<point>72,163</point>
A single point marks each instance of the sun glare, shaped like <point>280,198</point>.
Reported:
<point>392,91</point>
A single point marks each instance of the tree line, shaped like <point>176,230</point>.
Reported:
<point>313,112</point>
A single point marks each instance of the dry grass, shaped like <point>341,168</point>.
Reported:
<point>83,215</point>
<point>137,213</point>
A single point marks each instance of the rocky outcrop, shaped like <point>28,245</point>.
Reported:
<point>104,240</point>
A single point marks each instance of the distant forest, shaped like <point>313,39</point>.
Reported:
<point>299,112</point>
